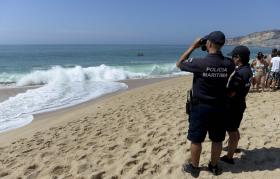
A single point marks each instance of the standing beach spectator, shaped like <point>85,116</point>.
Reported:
<point>253,81</point>
<point>269,73</point>
<point>260,65</point>
<point>275,70</point>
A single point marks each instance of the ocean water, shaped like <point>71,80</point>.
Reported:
<point>71,74</point>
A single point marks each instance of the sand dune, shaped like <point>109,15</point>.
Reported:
<point>140,133</point>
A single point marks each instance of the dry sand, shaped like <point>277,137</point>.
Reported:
<point>140,133</point>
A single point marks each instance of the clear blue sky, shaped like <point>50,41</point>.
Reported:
<point>131,21</point>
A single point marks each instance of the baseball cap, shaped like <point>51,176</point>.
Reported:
<point>216,37</point>
<point>240,50</point>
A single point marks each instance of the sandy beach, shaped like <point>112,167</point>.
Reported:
<point>138,133</point>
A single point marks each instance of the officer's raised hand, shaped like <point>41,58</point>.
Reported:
<point>196,44</point>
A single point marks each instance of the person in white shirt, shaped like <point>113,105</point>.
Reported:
<point>275,70</point>
<point>269,74</point>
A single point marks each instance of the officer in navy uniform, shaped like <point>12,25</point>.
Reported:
<point>238,87</point>
<point>207,112</point>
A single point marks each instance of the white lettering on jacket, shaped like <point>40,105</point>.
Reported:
<point>213,72</point>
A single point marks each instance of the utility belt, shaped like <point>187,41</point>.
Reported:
<point>196,101</point>
<point>191,101</point>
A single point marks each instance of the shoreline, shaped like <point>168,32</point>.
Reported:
<point>131,83</point>
<point>38,121</point>
<point>10,91</point>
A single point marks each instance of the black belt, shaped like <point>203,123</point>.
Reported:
<point>208,102</point>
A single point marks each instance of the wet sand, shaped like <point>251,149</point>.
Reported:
<point>7,92</point>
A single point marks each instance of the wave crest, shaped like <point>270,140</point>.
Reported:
<point>59,74</point>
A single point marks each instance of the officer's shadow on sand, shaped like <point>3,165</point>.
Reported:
<point>255,160</point>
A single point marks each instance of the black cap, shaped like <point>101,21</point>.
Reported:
<point>242,51</point>
<point>216,37</point>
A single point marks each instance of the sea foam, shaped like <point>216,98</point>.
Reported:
<point>64,87</point>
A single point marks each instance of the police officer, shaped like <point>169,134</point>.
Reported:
<point>238,87</point>
<point>211,74</point>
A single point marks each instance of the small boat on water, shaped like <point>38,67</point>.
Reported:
<point>140,54</point>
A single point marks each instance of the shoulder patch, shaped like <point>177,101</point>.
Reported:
<point>190,60</point>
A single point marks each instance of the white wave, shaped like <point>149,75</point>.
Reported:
<point>97,73</point>
<point>18,111</point>
<point>8,78</point>
<point>163,69</point>
<point>65,87</point>
<point>57,73</point>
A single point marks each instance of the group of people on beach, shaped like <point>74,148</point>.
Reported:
<point>266,71</point>
<point>217,99</point>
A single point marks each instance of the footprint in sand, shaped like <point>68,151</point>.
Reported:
<point>128,141</point>
<point>30,169</point>
<point>139,153</point>
<point>91,143</point>
<point>60,169</point>
<point>46,154</point>
<point>4,174</point>
<point>81,157</point>
<point>33,175</point>
<point>97,175</point>
<point>143,167</point>
<point>151,134</point>
<point>82,168</point>
<point>113,147</point>
<point>128,165</point>
<point>157,149</point>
